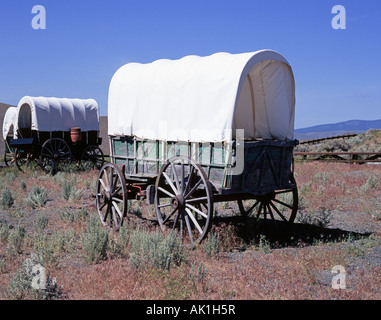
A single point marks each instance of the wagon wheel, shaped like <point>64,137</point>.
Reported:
<point>184,198</point>
<point>111,196</point>
<point>279,207</point>
<point>10,159</point>
<point>55,155</point>
<point>92,158</point>
<point>24,160</point>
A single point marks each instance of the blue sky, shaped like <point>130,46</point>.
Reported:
<point>337,72</point>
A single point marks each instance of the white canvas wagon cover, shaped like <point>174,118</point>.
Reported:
<point>57,114</point>
<point>10,119</point>
<point>204,98</point>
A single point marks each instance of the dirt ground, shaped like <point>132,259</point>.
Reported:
<point>299,264</point>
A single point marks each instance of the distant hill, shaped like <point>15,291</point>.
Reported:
<point>334,129</point>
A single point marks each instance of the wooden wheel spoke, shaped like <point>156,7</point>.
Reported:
<point>102,206</point>
<point>270,212</point>
<point>259,211</point>
<point>283,191</point>
<point>108,209</point>
<point>103,184</point>
<point>176,220</point>
<point>197,199</point>
<point>251,208</point>
<point>170,215</point>
<point>190,176</point>
<point>193,189</point>
<point>164,205</point>
<point>115,192</point>
<point>117,199</point>
<point>170,182</point>
<point>284,204</point>
<point>182,177</point>
<point>189,229</point>
<point>113,188</point>
<point>196,210</point>
<point>176,178</point>
<point>166,192</point>
<point>117,209</point>
<point>278,212</point>
<point>194,220</point>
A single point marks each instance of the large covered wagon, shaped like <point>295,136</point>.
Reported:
<point>54,132</point>
<point>185,134</point>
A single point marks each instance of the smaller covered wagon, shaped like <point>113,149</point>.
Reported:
<point>10,119</point>
<point>54,132</point>
<point>188,133</point>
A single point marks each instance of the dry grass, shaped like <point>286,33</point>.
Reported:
<point>295,266</point>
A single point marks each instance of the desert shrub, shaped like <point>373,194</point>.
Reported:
<point>322,177</point>
<point>320,218</point>
<point>41,221</point>
<point>37,197</point>
<point>11,176</point>
<point>3,265</point>
<point>264,245</point>
<point>371,183</point>
<point>7,199</point>
<point>119,245</point>
<point>95,241</point>
<point>155,249</point>
<point>45,250</point>
<point>338,145</point>
<point>22,284</point>
<point>212,244</point>
<point>4,233</point>
<point>69,191</point>
<point>16,239</point>
<point>376,215</point>
<point>197,272</point>
<point>49,249</point>
<point>70,216</point>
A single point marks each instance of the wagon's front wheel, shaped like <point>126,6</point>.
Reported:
<point>277,209</point>
<point>184,198</point>
<point>111,196</point>
<point>10,159</point>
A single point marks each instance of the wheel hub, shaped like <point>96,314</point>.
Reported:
<point>107,196</point>
<point>178,202</point>
<point>267,198</point>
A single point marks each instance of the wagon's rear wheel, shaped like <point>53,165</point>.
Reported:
<point>277,209</point>
<point>92,158</point>
<point>184,198</point>
<point>55,155</point>
<point>111,196</point>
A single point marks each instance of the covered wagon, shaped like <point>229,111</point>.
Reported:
<point>55,132</point>
<point>10,119</point>
<point>187,133</point>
